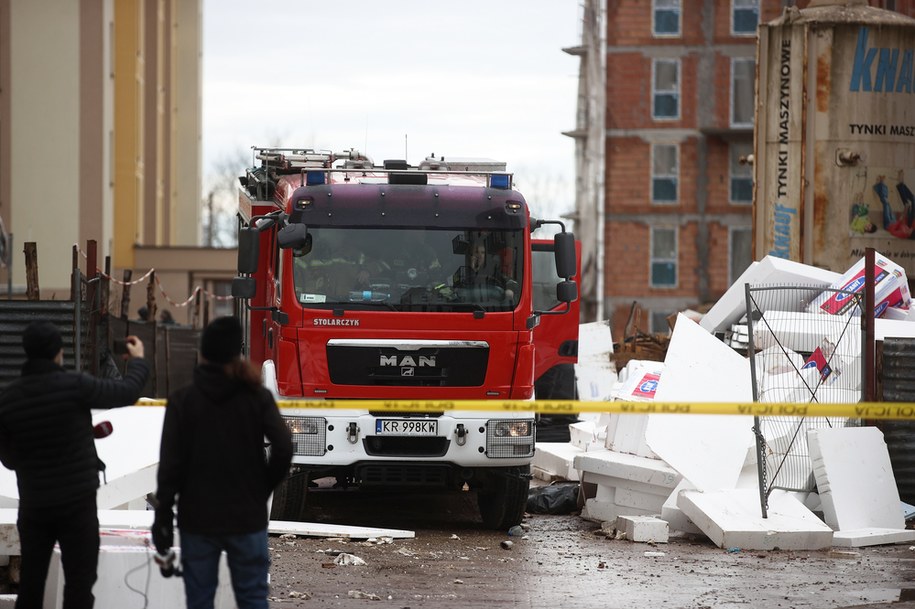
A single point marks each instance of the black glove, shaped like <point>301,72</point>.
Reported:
<point>163,530</point>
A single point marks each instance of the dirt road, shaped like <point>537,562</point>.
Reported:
<point>562,563</point>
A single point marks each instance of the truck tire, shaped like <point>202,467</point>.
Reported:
<point>503,498</point>
<point>289,498</point>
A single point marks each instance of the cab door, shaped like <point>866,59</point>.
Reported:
<point>274,299</point>
<point>556,337</point>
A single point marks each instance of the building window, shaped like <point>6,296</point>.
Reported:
<point>741,246</point>
<point>666,18</point>
<point>663,257</point>
<point>743,77</point>
<point>744,17</point>
<point>665,89</point>
<point>741,192</point>
<point>665,173</point>
<point>658,323</point>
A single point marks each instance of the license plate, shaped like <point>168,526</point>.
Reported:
<point>406,427</point>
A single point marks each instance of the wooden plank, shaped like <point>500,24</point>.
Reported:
<point>32,290</point>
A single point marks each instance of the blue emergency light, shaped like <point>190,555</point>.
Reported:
<point>314,178</point>
<point>500,180</point>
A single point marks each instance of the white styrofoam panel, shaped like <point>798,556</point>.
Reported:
<point>132,447</point>
<point>646,502</point>
<point>674,516</point>
<point>859,538</point>
<point>596,510</point>
<point>555,459</point>
<point>897,313</point>
<point>777,360</point>
<point>643,528</point>
<point>595,342</point>
<point>125,570</point>
<point>316,529</point>
<point>892,328</point>
<point>708,450</point>
<point>9,489</point>
<point>699,367</point>
<point>584,434</point>
<point>630,468</point>
<point>733,519</point>
<point>607,510</point>
<point>134,441</point>
<point>770,270</point>
<point>855,478</point>
<point>127,487</point>
<point>118,524</point>
<point>594,381</point>
<point>626,434</point>
<point>799,331</point>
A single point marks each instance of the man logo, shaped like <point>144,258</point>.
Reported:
<point>407,371</point>
<point>421,361</point>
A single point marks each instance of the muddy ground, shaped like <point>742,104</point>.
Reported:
<point>563,563</point>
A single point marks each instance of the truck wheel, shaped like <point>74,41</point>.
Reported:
<point>289,498</point>
<point>503,498</point>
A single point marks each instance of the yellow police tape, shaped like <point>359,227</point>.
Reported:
<point>861,410</point>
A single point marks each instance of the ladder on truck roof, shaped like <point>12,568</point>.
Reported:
<point>285,161</point>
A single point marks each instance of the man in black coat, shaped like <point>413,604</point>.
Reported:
<point>46,437</point>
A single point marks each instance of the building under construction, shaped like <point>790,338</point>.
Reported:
<point>664,136</point>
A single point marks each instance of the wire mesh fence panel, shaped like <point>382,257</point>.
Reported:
<point>805,346</point>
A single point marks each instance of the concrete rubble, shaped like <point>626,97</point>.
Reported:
<point>698,474</point>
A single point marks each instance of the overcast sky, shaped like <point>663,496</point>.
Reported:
<point>395,79</point>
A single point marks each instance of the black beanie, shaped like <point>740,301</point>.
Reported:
<point>41,340</point>
<point>221,340</point>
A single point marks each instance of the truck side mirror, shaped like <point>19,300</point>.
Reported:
<point>243,287</point>
<point>248,245</point>
<point>293,236</point>
<point>566,291</point>
<point>565,254</point>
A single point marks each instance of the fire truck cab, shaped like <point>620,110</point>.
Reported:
<point>399,282</point>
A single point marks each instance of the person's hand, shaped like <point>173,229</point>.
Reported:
<point>134,346</point>
<point>163,530</point>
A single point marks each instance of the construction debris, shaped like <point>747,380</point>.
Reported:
<point>700,473</point>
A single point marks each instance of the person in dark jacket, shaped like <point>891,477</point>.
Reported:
<point>46,437</point>
<point>212,461</point>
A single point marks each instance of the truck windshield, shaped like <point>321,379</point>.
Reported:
<point>410,269</point>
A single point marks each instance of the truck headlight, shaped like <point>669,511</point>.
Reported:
<point>512,429</point>
<point>509,438</point>
<point>308,435</point>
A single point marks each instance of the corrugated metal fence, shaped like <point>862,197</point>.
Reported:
<point>15,315</point>
<point>898,379</point>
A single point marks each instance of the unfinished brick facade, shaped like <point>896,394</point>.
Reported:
<point>679,115</point>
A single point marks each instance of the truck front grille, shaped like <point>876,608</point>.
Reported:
<point>420,364</point>
<point>405,446</point>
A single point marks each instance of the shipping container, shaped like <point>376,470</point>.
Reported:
<point>834,151</point>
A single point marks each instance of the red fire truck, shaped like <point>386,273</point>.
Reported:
<point>400,282</point>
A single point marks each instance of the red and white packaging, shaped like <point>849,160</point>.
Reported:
<point>891,289</point>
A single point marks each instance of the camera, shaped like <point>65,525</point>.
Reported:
<point>120,346</point>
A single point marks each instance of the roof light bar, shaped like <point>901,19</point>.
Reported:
<point>502,181</point>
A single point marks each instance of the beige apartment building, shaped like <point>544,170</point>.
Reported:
<point>100,140</point>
